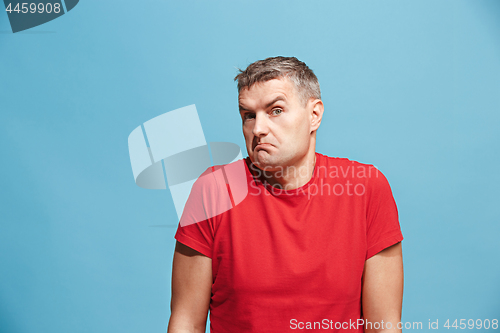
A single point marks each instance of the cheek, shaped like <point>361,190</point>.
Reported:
<point>298,134</point>
<point>247,133</point>
<point>299,127</point>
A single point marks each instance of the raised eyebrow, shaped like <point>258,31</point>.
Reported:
<point>242,108</point>
<point>279,98</point>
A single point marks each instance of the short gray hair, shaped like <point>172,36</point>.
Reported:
<point>305,81</point>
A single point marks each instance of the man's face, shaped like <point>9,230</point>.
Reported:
<point>276,124</point>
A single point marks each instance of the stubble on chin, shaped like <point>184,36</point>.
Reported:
<point>266,162</point>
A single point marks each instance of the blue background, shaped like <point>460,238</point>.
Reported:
<point>410,86</point>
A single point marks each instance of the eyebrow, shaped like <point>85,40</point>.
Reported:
<point>278,98</point>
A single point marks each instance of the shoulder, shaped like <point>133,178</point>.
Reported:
<point>341,161</point>
<point>348,167</point>
<point>222,174</point>
<point>222,183</point>
<point>361,173</point>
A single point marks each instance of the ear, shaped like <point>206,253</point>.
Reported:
<point>316,109</point>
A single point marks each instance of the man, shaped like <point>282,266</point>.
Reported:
<point>315,244</point>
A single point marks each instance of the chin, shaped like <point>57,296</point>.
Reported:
<point>265,161</point>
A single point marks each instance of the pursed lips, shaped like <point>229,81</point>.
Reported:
<point>262,145</point>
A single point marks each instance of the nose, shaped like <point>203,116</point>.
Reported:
<point>260,127</point>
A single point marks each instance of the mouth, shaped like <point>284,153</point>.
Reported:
<point>262,146</point>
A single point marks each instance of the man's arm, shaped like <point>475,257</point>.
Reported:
<point>382,294</point>
<point>191,290</point>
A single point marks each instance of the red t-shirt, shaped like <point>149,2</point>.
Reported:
<point>289,260</point>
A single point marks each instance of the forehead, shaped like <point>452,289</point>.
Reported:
<point>262,92</point>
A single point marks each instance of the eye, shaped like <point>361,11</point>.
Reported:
<point>276,112</point>
<point>248,115</point>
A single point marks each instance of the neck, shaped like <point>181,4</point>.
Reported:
<point>293,176</point>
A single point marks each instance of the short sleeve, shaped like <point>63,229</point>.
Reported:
<point>383,229</point>
<point>198,236</point>
<point>207,199</point>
